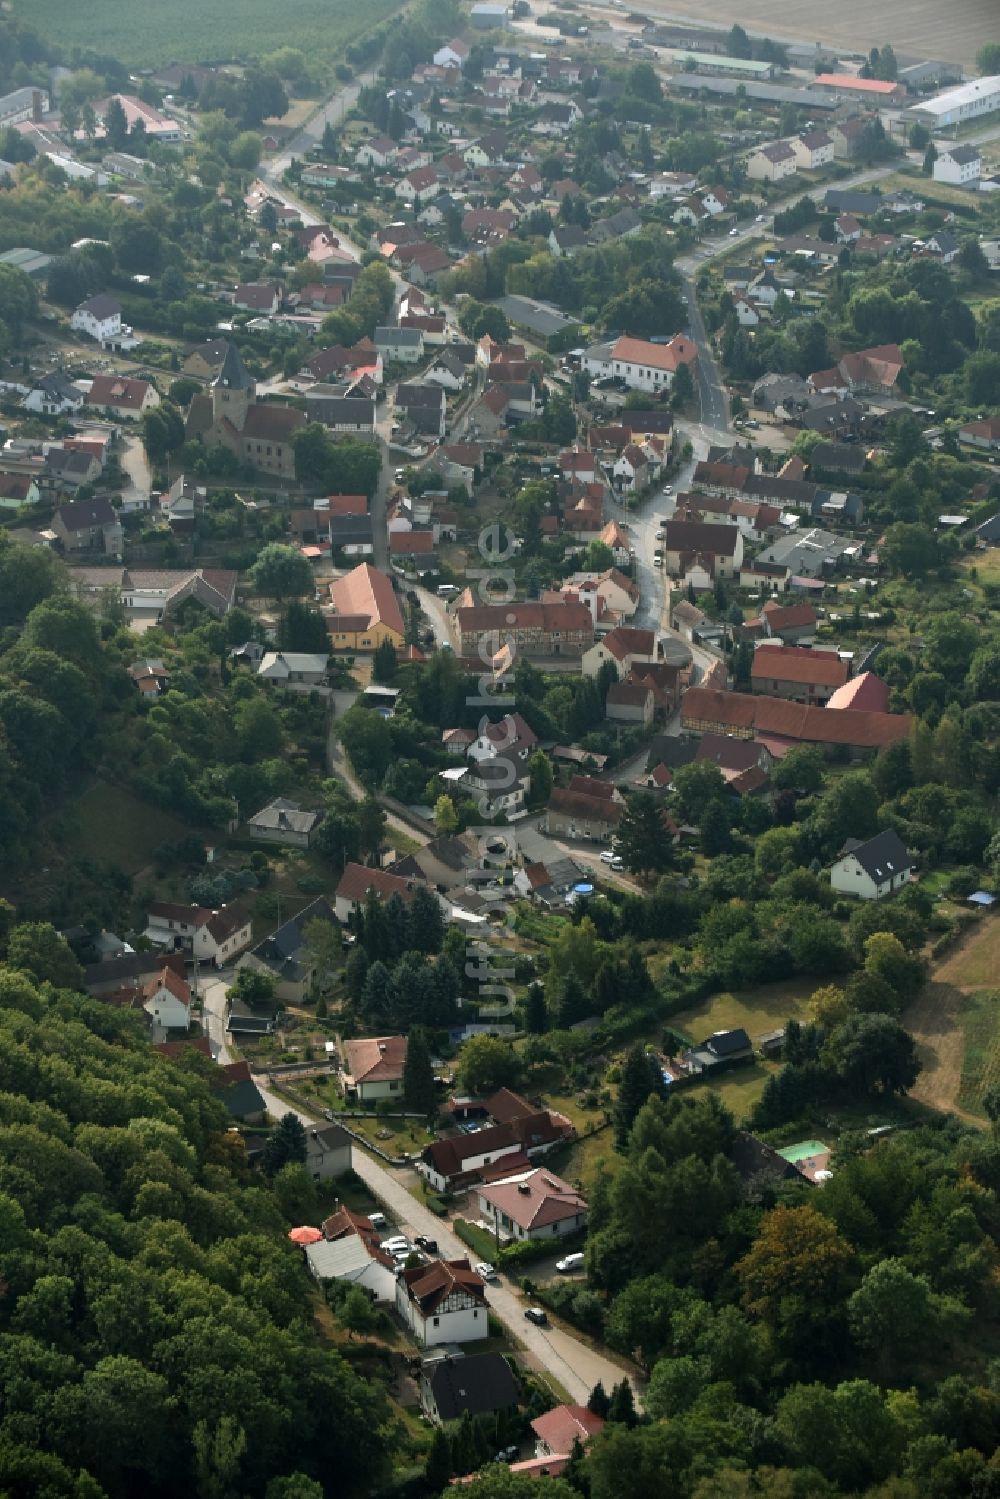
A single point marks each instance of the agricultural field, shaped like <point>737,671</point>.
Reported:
<point>148,34</point>
<point>955,1024</point>
<point>921,28</point>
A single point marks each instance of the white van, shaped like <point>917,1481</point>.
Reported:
<point>571,1264</point>
<point>613,860</point>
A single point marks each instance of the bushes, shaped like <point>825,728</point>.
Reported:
<point>478,1240</point>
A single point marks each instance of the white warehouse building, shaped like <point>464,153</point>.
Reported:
<point>969,101</point>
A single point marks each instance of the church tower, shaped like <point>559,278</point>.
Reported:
<point>233,389</point>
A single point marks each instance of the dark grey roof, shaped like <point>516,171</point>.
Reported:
<point>350,530</point>
<point>671,750</point>
<point>989,530</point>
<point>101,306</point>
<point>81,515</point>
<point>725,1043</point>
<point>851,200</point>
<point>233,372</point>
<point>386,337</point>
<point>58,384</point>
<point>844,457</point>
<point>880,857</point>
<point>334,410</point>
<point>286,942</point>
<point>413,394</point>
<point>242,1099</point>
<point>479,1383</point>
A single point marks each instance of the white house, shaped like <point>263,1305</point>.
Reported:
<point>377,152</point>
<point>771,163</point>
<point>211,936</point>
<point>328,1152</point>
<point>400,345</point>
<point>873,869</point>
<point>53,395</point>
<point>672,184</point>
<point>962,166</point>
<point>453,54</point>
<point>282,668</point>
<point>642,365</point>
<point>813,149</point>
<point>100,318</point>
<point>746,313</point>
<point>631,473</point>
<point>373,1068</point>
<point>532,1204</point>
<point>283,822</point>
<point>353,1259</point>
<point>443,1302</point>
<point>167,1001</point>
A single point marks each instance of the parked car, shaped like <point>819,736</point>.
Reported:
<point>608,856</point>
<point>486,1271</point>
<point>537,1315</point>
<point>507,1455</point>
<point>399,1243</point>
<point>430,1245</point>
<point>378,1220</point>
<point>570,1263</point>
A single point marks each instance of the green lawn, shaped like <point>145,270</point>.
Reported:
<point>981,1055</point>
<point>147,33</point>
<point>765,1008</point>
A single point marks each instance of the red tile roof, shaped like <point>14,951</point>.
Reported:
<point>561,1427</point>
<point>789,663</point>
<point>368,593</point>
<point>358,879</point>
<point>375,1059</point>
<point>786,720</point>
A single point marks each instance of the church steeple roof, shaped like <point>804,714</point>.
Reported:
<point>234,374</point>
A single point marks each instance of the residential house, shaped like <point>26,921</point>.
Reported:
<point>183,501</point>
<point>722,1050</point>
<point>812,149</point>
<point>511,738</point>
<point>424,406</point>
<point>365,611</point>
<point>685,618</point>
<point>448,371</point>
<point>208,935</point>
<point>460,463</point>
<point>293,668</point>
<point>353,414</point>
<point>530,628</point>
<point>380,151</point>
<point>772,163</point>
<point>717,550</point>
<point>373,1068</point>
<point>53,394</point>
<point>353,535</point>
<point>630,702</point>
<point>567,239</point>
<point>418,186</point>
<point>632,471</point>
<point>641,364</point>
<point>983,434</point>
<point>959,165</point>
<point>874,868</point>
<point>804,676</point>
<point>234,1087</point>
<point>89,526</point>
<point>120,396</point>
<point>283,822</point>
<point>625,646</point>
<point>358,881</point>
<point>283,955</point>
<point>261,297</point>
<point>400,345</point>
<point>747,314</point>
<point>744,763</point>
<point>166,1000</point>
<point>151,596</point>
<point>100,318</point>
<point>444,1301</point>
<point>558,1430</point>
<point>531,1204</point>
<point>672,185</point>
<point>453,54</point>
<point>462,1160</point>
<point>621,225</point>
<point>150,677</point>
<point>349,1250</point>
<point>789,623</point>
<point>848,137</point>
<point>943,245</point>
<point>872,371</point>
<point>480,1384</point>
<point>576,811</point>
<point>446,863</point>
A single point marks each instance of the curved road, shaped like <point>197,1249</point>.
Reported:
<point>572,1363</point>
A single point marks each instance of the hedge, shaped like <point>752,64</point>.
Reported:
<point>478,1240</point>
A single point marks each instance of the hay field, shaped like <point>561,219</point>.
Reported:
<point>925,28</point>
